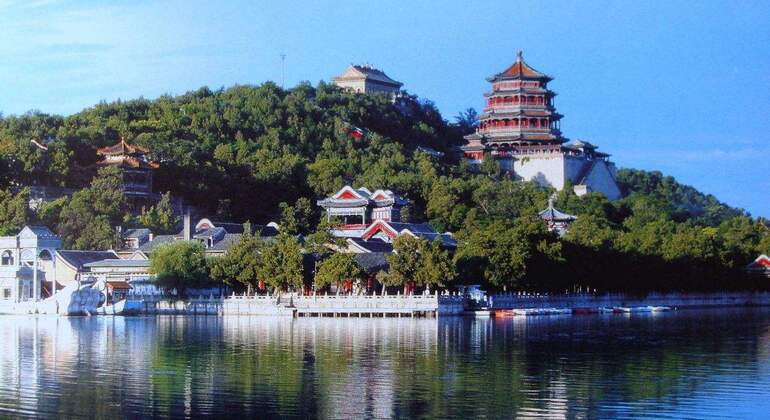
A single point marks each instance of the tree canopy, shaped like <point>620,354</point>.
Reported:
<point>263,153</point>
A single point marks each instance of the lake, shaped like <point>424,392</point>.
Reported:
<point>689,363</point>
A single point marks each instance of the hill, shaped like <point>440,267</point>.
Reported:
<point>239,153</point>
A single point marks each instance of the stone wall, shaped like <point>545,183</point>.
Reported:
<point>674,300</point>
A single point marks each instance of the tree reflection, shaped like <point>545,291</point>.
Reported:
<point>347,368</point>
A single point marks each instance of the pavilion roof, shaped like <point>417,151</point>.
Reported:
<point>121,148</point>
<point>127,162</point>
<point>520,70</point>
<point>518,112</point>
<point>358,72</point>
<point>78,259</point>
<point>552,215</point>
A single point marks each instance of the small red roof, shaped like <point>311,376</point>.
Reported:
<point>125,155</point>
<point>520,70</point>
<point>121,148</point>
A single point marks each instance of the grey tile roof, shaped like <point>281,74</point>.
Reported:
<point>136,233</point>
<point>216,233</point>
<point>79,259</point>
<point>226,242</point>
<point>372,262</point>
<point>551,214</point>
<point>425,231</point>
<point>118,263</point>
<point>373,245</point>
<point>41,231</point>
<point>156,242</point>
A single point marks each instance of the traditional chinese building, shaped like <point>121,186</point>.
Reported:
<point>759,267</point>
<point>557,221</point>
<point>137,169</point>
<point>367,79</point>
<point>521,129</point>
<point>371,220</point>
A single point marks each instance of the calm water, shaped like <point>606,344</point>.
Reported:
<point>696,364</point>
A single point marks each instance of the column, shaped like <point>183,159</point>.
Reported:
<point>35,283</point>
<point>53,273</point>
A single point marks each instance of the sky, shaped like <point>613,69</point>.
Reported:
<point>677,86</point>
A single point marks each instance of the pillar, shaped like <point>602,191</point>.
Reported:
<point>53,272</point>
<point>35,283</point>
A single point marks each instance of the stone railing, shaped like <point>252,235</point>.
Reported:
<point>368,304</point>
<point>609,300</point>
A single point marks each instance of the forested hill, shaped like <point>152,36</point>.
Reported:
<point>218,148</point>
<point>239,153</point>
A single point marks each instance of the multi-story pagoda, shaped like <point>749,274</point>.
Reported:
<point>521,129</point>
<point>519,116</point>
<point>136,167</point>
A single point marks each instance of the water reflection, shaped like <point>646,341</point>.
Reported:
<point>685,364</point>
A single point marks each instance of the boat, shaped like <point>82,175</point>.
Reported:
<point>641,309</point>
<point>542,311</point>
<point>584,310</point>
<point>116,308</point>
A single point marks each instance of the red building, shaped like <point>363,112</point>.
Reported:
<point>519,115</point>
<point>136,168</point>
<point>521,130</point>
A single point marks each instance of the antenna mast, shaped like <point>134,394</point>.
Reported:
<point>283,61</point>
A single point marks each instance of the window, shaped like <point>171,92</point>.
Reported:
<point>7,258</point>
<point>6,293</point>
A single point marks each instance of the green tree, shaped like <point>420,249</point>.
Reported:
<point>87,220</point>
<point>297,219</point>
<point>337,268</point>
<point>160,218</point>
<point>504,252</point>
<point>14,212</point>
<point>436,267</point>
<point>405,261</point>
<point>241,265</point>
<point>179,265</point>
<point>280,264</point>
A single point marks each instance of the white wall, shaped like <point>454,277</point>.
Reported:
<point>544,169</point>
<point>601,179</point>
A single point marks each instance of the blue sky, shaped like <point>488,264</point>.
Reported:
<point>679,86</point>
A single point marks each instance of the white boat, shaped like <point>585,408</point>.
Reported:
<point>640,309</point>
<point>542,311</point>
<point>121,307</point>
<point>71,300</point>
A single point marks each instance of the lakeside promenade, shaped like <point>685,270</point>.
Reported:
<point>430,305</point>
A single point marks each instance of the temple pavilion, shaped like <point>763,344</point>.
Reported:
<point>519,116</point>
<point>367,79</point>
<point>556,220</point>
<point>370,221</point>
<point>521,129</point>
<point>136,168</point>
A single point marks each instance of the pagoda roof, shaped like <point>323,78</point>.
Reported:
<point>520,70</point>
<point>356,197</point>
<point>525,112</point>
<point>552,215</point>
<point>358,72</point>
<point>121,148</point>
<point>502,92</point>
<point>128,162</point>
<point>125,155</point>
<point>504,137</point>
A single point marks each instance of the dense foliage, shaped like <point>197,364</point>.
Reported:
<point>179,265</point>
<point>263,153</point>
